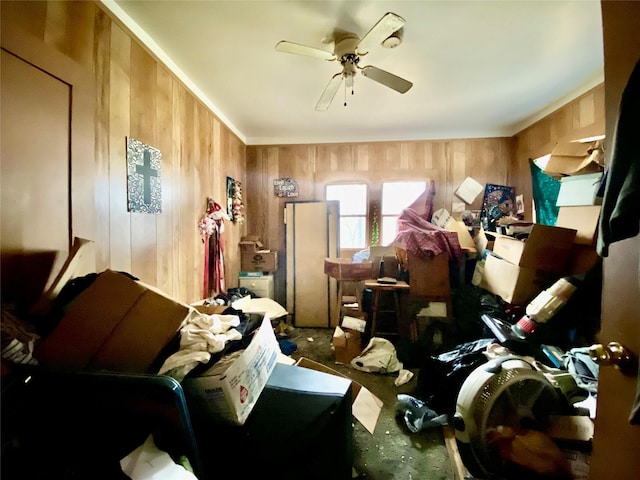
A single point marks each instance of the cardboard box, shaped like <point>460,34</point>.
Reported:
<point>429,277</point>
<point>582,259</point>
<point>514,284</point>
<point>250,244</point>
<point>484,241</point>
<point>546,248</point>
<point>571,158</point>
<point>229,390</point>
<point>583,219</point>
<point>579,190</point>
<point>345,269</point>
<point>264,261</point>
<point>117,324</point>
<point>347,344</point>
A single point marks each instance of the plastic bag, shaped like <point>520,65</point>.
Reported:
<point>378,357</point>
<point>416,414</point>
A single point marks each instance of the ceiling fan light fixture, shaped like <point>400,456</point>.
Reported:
<point>393,40</point>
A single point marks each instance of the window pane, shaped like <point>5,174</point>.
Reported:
<point>352,198</point>
<point>352,232</point>
<point>389,229</point>
<point>398,195</point>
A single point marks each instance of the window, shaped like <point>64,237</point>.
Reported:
<point>353,213</point>
<point>396,196</point>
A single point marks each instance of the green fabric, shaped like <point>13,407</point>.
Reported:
<point>545,195</point>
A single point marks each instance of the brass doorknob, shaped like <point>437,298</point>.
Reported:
<point>613,354</point>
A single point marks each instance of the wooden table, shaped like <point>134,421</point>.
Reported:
<point>394,288</point>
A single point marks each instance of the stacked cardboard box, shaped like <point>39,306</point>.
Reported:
<point>518,270</point>
<point>254,257</point>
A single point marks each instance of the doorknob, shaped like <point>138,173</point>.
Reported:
<point>613,354</point>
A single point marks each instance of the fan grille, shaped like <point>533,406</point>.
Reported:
<point>519,398</point>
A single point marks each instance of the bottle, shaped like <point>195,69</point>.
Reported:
<point>545,306</point>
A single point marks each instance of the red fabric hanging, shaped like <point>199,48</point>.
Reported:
<point>212,228</point>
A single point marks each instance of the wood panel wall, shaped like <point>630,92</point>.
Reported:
<point>136,95</point>
<point>580,118</point>
<point>313,166</point>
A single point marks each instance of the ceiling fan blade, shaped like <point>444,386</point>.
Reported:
<point>387,79</point>
<point>389,23</point>
<point>329,92</point>
<point>290,47</point>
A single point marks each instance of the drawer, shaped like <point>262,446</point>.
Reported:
<point>261,286</point>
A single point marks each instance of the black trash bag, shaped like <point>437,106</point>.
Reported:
<point>441,376</point>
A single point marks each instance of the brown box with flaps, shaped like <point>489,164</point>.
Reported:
<point>345,269</point>
<point>117,324</point>
<point>546,248</point>
<point>514,284</point>
<point>250,244</point>
<point>584,219</point>
<point>262,261</point>
<point>347,344</point>
<point>571,158</point>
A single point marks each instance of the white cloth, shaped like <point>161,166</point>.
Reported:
<point>201,336</point>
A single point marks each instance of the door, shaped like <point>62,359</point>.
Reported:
<point>616,444</point>
<point>311,235</point>
<point>35,174</point>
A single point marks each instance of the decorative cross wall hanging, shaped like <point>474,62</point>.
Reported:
<point>144,163</point>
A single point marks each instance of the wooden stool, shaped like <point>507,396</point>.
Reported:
<point>393,288</point>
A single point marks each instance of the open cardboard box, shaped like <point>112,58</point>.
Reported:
<point>514,284</point>
<point>571,158</point>
<point>347,344</point>
<point>250,244</point>
<point>584,219</point>
<point>229,390</point>
<point>546,248</point>
<point>116,324</point>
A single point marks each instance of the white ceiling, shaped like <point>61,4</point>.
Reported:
<point>479,68</point>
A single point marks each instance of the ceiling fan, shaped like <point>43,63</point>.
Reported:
<point>348,48</point>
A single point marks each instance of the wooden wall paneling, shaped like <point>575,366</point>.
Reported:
<point>178,270</point>
<point>144,252</point>
<point>69,27</point>
<point>165,142</point>
<point>206,178</point>
<point>582,117</point>
<point>118,244</point>
<point>362,157</point>
<point>459,159</point>
<point>28,16</point>
<point>392,155</point>
<point>196,201</point>
<point>55,28</point>
<point>80,32</point>
<point>441,166</point>
<point>102,41</point>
